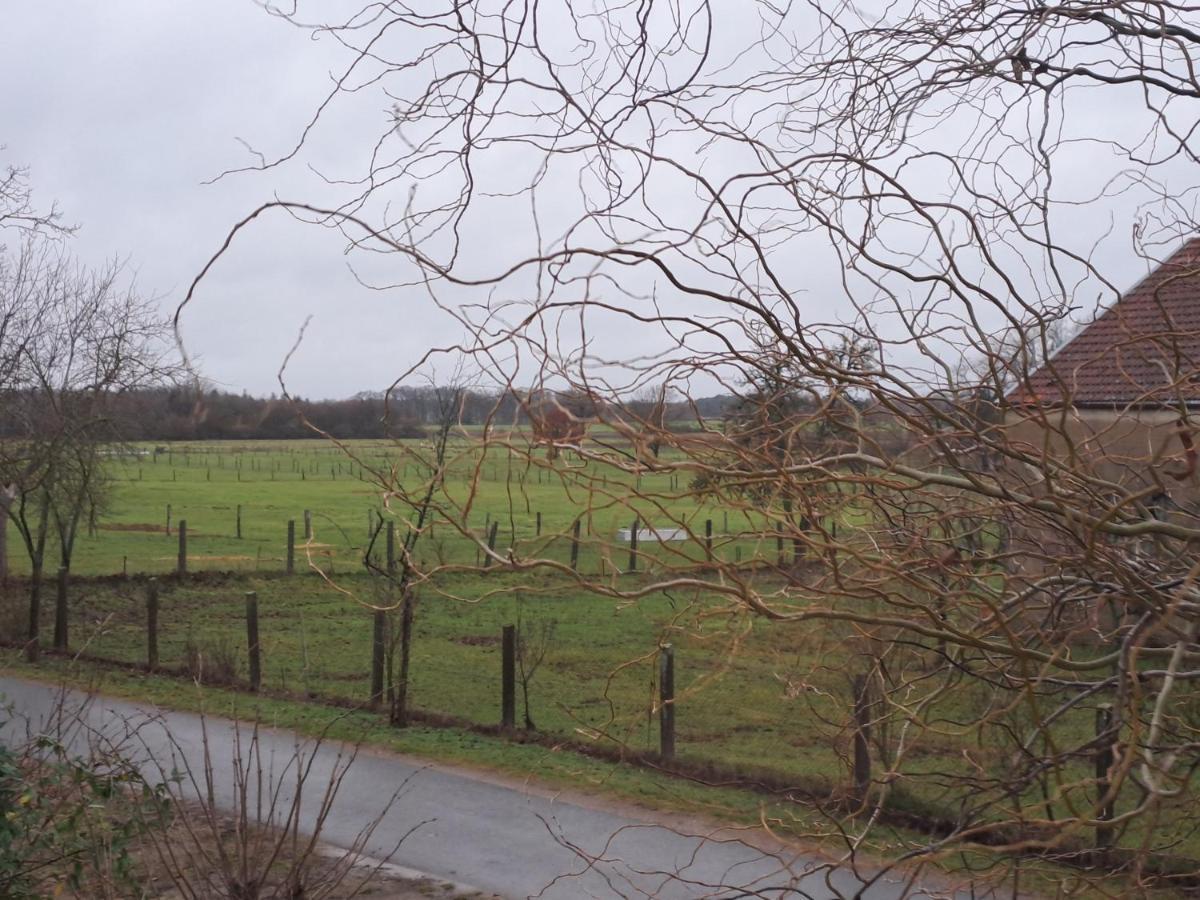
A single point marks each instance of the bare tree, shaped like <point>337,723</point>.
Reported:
<point>534,641</point>
<point>18,213</point>
<point>415,508</point>
<point>72,340</point>
<point>947,172</point>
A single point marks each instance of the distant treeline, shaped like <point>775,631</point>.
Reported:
<point>185,414</point>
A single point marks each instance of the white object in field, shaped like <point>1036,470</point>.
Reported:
<point>646,535</point>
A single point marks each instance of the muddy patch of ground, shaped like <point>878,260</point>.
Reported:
<point>477,640</point>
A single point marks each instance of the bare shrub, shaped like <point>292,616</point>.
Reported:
<point>100,806</point>
<point>262,838</point>
<point>214,662</point>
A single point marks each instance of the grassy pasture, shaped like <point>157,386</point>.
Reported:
<point>757,701</point>
<point>276,481</point>
<point>597,681</point>
<point>756,698</point>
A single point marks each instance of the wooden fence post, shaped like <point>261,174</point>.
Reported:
<point>239,522</point>
<point>1104,762</point>
<point>538,527</point>
<point>862,736</point>
<point>181,567</point>
<point>633,544</point>
<point>708,539</point>
<point>378,646</point>
<point>291,547</point>
<point>575,546</point>
<point>508,677</point>
<point>308,524</point>
<point>152,624</point>
<point>252,644</point>
<point>33,644</point>
<point>168,520</point>
<point>666,702</point>
<point>487,560</point>
<point>391,547</point>
<point>60,611</point>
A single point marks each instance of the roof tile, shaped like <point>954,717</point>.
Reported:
<point>1143,350</point>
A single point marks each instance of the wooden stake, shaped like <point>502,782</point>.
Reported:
<point>666,702</point>
<point>487,560</point>
<point>252,644</point>
<point>60,611</point>
<point>378,646</point>
<point>1104,762</point>
<point>152,624</point>
<point>181,566</point>
<point>862,736</point>
<point>291,547</point>
<point>508,677</point>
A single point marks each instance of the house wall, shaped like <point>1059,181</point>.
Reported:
<point>1135,450</point>
<point>1139,450</point>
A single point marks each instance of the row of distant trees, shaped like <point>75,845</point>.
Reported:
<point>182,412</point>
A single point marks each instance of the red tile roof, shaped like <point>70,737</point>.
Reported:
<point>1144,350</point>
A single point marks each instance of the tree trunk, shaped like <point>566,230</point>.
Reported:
<point>61,639</point>
<point>400,698</point>
<point>7,495</point>
<point>4,545</point>
<point>35,612</point>
<point>37,558</point>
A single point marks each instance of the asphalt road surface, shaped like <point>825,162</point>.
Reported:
<point>495,837</point>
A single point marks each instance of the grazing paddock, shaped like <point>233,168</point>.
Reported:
<point>220,488</point>
<point>785,706</point>
<point>757,702</point>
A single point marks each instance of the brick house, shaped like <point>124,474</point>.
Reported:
<point>1121,400</point>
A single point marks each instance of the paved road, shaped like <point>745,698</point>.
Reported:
<point>497,838</point>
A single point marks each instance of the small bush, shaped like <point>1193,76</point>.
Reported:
<point>68,825</point>
<point>211,662</point>
<point>14,616</point>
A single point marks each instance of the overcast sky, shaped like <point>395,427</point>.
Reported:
<point>123,110</point>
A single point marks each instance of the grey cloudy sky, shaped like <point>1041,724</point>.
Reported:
<point>123,109</point>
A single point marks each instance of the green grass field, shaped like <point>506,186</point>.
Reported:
<point>757,703</point>
<point>598,678</point>
<point>756,698</point>
<point>274,482</point>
